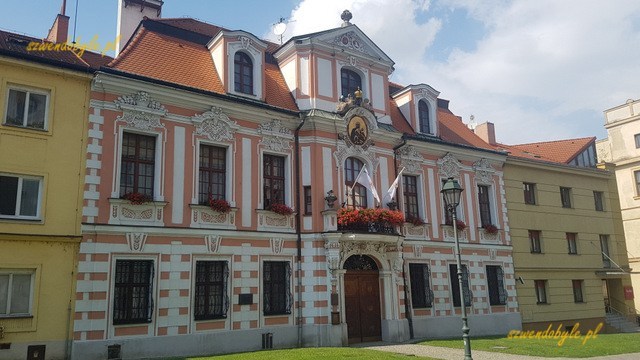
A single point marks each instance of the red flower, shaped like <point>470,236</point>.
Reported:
<point>281,209</point>
<point>460,225</point>
<point>219,205</point>
<point>137,198</point>
<point>490,229</point>
<point>416,221</point>
<point>366,216</point>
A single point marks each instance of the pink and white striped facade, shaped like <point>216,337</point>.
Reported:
<point>174,232</point>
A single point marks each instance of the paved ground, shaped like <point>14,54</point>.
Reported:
<point>457,354</point>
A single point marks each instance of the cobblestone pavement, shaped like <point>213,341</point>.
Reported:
<point>457,354</point>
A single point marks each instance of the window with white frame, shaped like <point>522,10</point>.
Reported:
<point>212,176</point>
<point>357,196</point>
<point>273,180</point>
<point>276,282</point>
<point>16,292</point>
<point>350,81</point>
<point>410,197</point>
<point>20,196</point>
<point>423,117</point>
<point>27,108</point>
<point>243,73</point>
<point>137,167</point>
<point>484,203</point>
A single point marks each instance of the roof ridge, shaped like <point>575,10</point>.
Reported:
<point>555,141</point>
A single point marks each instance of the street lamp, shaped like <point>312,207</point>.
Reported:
<point>451,193</point>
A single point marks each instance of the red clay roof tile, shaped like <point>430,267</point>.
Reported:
<point>169,59</point>
<point>560,151</point>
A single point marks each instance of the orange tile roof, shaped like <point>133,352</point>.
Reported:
<point>452,129</point>
<point>277,91</point>
<point>398,120</point>
<point>170,59</point>
<point>559,151</point>
<point>169,50</point>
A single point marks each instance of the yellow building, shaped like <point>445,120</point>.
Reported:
<point>43,108</point>
<point>569,249</point>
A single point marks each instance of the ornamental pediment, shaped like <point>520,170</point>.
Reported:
<point>352,40</point>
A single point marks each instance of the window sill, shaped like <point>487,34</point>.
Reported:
<point>216,318</point>
<point>21,220</point>
<point>17,316</point>
<point>26,129</point>
<point>123,212</point>
<point>270,221</point>
<point>203,216</point>
<point>545,303</point>
<point>133,323</point>
<point>277,314</point>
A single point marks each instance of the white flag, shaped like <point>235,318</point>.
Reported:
<point>368,183</point>
<point>392,189</point>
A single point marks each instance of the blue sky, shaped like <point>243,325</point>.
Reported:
<point>539,70</point>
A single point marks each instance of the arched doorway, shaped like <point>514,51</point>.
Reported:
<point>362,299</point>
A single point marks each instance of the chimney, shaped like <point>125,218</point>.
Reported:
<point>59,31</point>
<point>130,14</point>
<point>486,132</point>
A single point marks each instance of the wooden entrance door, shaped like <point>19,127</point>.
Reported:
<point>362,305</point>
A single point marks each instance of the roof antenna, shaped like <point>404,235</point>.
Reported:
<point>472,123</point>
<point>75,21</point>
<point>279,28</point>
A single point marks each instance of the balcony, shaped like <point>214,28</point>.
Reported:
<point>124,212</point>
<point>373,227</point>
<point>370,221</point>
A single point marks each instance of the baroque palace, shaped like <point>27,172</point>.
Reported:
<point>228,194</point>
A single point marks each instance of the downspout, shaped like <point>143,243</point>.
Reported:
<point>298,227</point>
<point>407,311</point>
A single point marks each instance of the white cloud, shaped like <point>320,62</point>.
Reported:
<point>543,70</point>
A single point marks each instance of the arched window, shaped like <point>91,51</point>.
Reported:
<point>357,197</point>
<point>350,81</point>
<point>423,116</point>
<point>243,73</point>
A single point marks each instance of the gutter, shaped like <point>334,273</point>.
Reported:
<point>298,228</point>
<point>407,311</point>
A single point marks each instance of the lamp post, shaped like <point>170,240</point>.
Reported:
<point>451,193</point>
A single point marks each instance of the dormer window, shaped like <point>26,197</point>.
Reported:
<point>350,81</point>
<point>423,117</point>
<point>243,73</point>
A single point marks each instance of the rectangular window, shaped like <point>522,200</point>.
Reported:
<point>212,173</point>
<point>636,175</point>
<point>132,297</point>
<point>16,288</point>
<point>273,180</point>
<point>637,139</point>
<point>421,294</point>
<point>598,200</point>
<point>307,200</point>
<point>572,243</point>
<point>495,281</point>
<point>541,291</point>
<point>577,291</point>
<point>410,194</point>
<point>20,197</point>
<point>604,248</point>
<point>138,164</point>
<point>276,280</point>
<point>534,240</point>
<point>211,299</point>
<point>484,205</point>
<point>455,287</point>
<point>27,108</point>
<point>529,193</point>
<point>565,197</point>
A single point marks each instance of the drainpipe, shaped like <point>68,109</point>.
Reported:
<point>407,311</point>
<point>298,227</point>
